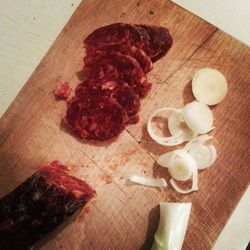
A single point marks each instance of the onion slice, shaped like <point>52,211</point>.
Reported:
<point>185,171</point>
<point>165,141</point>
<point>209,86</point>
<point>201,139</point>
<point>146,181</point>
<point>213,153</point>
<point>198,117</point>
<point>204,155</point>
<point>182,165</point>
<point>165,160</point>
<point>176,124</point>
<point>194,184</point>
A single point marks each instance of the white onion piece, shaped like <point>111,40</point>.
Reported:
<point>213,153</point>
<point>182,166</point>
<point>194,184</point>
<point>176,124</point>
<point>200,138</point>
<point>165,141</point>
<point>204,155</point>
<point>209,86</point>
<point>165,160</point>
<point>146,181</point>
<point>201,155</point>
<point>172,226</point>
<point>183,170</point>
<point>198,117</point>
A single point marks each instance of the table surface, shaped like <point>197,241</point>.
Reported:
<point>230,16</point>
<point>29,28</point>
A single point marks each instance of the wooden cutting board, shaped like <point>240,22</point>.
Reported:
<point>125,216</point>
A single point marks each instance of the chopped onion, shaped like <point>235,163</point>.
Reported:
<point>209,86</point>
<point>176,124</point>
<point>198,117</point>
<point>213,154</point>
<point>162,140</point>
<point>183,125</point>
<point>204,155</point>
<point>182,166</point>
<point>194,184</point>
<point>172,226</point>
<point>165,160</point>
<point>146,181</point>
<point>201,139</point>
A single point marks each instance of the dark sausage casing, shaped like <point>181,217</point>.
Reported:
<point>40,204</point>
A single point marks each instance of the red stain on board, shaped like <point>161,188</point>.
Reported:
<point>106,178</point>
<point>82,214</point>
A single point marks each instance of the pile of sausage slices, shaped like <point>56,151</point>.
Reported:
<point>118,56</point>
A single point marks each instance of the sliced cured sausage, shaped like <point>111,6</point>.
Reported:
<point>40,204</point>
<point>117,33</point>
<point>118,56</point>
<point>142,58</point>
<point>117,66</point>
<point>96,118</point>
<point>154,40</point>
<point>120,91</point>
<point>62,91</point>
<point>160,41</point>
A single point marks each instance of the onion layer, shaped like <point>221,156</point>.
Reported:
<point>146,181</point>
<point>165,141</point>
<point>204,155</point>
<point>209,86</point>
<point>198,117</point>
<point>181,167</point>
<point>177,126</point>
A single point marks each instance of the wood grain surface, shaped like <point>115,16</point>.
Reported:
<point>126,216</point>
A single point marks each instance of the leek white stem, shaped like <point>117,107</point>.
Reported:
<point>172,226</point>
